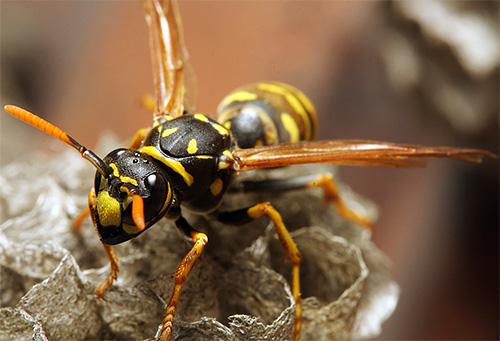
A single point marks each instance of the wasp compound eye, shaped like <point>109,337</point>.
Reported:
<point>150,182</point>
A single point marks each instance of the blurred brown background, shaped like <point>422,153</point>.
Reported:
<point>423,73</point>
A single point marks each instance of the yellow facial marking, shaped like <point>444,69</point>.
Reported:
<point>108,209</point>
<point>192,147</point>
<point>115,169</point>
<point>176,166</point>
<point>201,117</point>
<point>131,229</point>
<point>168,199</point>
<point>126,202</point>
<point>239,96</point>
<point>125,179</point>
<point>216,187</point>
<point>160,128</point>
<point>290,126</point>
<point>168,132</point>
<point>227,124</point>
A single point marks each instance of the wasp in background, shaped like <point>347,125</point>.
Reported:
<point>188,160</point>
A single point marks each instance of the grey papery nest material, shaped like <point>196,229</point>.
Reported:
<point>238,289</point>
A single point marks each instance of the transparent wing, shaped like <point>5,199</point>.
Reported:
<point>168,56</point>
<point>349,152</point>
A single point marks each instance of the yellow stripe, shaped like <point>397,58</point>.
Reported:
<point>204,156</point>
<point>307,104</point>
<point>281,89</point>
<point>222,130</point>
<point>201,117</point>
<point>176,166</point>
<point>192,147</point>
<point>169,132</point>
<point>239,96</point>
<point>126,179</point>
<point>168,200</point>
<point>290,126</point>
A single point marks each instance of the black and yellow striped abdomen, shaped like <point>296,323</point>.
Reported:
<point>268,113</point>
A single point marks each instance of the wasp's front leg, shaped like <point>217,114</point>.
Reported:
<point>180,275</point>
<point>109,251</point>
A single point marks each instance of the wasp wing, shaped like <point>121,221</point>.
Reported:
<point>349,152</point>
<point>168,56</point>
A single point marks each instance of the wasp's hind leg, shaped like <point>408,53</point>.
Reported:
<point>293,255</point>
<point>180,275</point>
<point>324,181</point>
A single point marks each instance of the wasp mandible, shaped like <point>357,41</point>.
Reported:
<point>187,161</point>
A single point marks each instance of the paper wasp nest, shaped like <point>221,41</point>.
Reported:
<point>238,289</point>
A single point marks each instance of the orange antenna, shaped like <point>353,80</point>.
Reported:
<point>46,127</point>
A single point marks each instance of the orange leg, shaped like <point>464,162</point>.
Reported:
<point>109,252</point>
<point>332,195</point>
<point>291,251</point>
<point>99,291</point>
<point>138,137</point>
<point>181,273</point>
<point>77,224</point>
<point>148,102</point>
<point>324,181</point>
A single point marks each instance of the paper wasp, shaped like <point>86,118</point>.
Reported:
<point>188,160</point>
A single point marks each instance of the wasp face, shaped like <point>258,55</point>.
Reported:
<point>134,194</point>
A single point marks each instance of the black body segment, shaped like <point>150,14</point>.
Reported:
<point>194,151</point>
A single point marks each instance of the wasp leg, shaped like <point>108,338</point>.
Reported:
<point>325,181</point>
<point>77,224</point>
<point>148,102</point>
<point>138,137</point>
<point>332,195</point>
<point>180,275</point>
<point>99,291</point>
<point>291,251</point>
<point>109,252</point>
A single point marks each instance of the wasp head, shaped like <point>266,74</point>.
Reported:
<point>131,195</point>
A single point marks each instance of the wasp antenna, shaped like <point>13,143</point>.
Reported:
<point>52,130</point>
